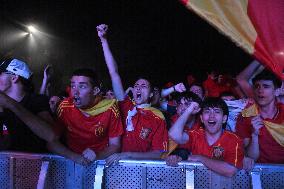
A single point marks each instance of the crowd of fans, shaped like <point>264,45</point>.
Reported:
<point>226,124</point>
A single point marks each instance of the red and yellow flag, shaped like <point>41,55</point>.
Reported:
<point>257,26</point>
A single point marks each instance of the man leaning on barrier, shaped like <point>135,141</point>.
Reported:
<point>90,124</point>
<point>213,146</point>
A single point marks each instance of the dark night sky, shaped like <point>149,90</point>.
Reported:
<point>161,40</point>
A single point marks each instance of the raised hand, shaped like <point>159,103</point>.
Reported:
<point>46,74</point>
<point>102,31</point>
<point>193,108</point>
<point>180,87</point>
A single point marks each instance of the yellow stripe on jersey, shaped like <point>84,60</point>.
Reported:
<point>275,129</point>
<point>156,112</point>
<point>100,107</point>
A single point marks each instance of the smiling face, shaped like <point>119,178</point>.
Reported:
<point>142,92</point>
<point>213,119</point>
<point>265,92</point>
<point>83,92</point>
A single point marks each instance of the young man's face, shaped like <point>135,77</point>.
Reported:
<point>213,118</point>
<point>53,103</point>
<point>5,82</point>
<point>82,92</point>
<point>141,91</point>
<point>110,95</point>
<point>197,90</point>
<point>182,105</point>
<point>264,92</point>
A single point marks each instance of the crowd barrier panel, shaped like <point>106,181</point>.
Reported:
<point>46,171</point>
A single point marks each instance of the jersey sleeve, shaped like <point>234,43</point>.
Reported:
<point>116,128</point>
<point>60,124</point>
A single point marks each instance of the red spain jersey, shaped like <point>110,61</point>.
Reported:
<point>150,131</point>
<point>228,148</point>
<point>270,150</point>
<point>92,132</point>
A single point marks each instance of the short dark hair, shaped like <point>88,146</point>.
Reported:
<point>188,95</point>
<point>227,93</point>
<point>216,102</point>
<point>267,75</point>
<point>87,73</point>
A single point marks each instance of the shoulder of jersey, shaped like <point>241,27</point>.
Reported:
<point>232,135</point>
<point>114,106</point>
<point>65,104</point>
<point>156,113</point>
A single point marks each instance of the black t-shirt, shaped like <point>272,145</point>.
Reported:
<point>16,134</point>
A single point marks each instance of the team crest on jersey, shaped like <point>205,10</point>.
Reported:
<point>144,133</point>
<point>218,152</point>
<point>99,130</point>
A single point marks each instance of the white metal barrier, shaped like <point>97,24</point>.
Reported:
<point>22,170</point>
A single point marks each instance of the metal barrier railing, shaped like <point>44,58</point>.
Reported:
<point>22,170</point>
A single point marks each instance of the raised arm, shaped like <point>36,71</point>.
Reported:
<point>244,77</point>
<point>176,88</point>
<point>111,63</point>
<point>45,81</point>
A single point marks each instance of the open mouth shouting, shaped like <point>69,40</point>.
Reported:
<point>138,96</point>
<point>211,123</point>
<point>76,100</point>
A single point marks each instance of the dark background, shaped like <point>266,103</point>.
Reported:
<point>161,40</point>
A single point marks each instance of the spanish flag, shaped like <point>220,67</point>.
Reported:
<point>257,26</point>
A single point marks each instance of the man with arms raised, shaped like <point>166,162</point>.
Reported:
<point>145,128</point>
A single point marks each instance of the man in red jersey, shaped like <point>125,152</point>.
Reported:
<point>216,148</point>
<point>91,125</point>
<point>145,134</point>
<point>261,124</point>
